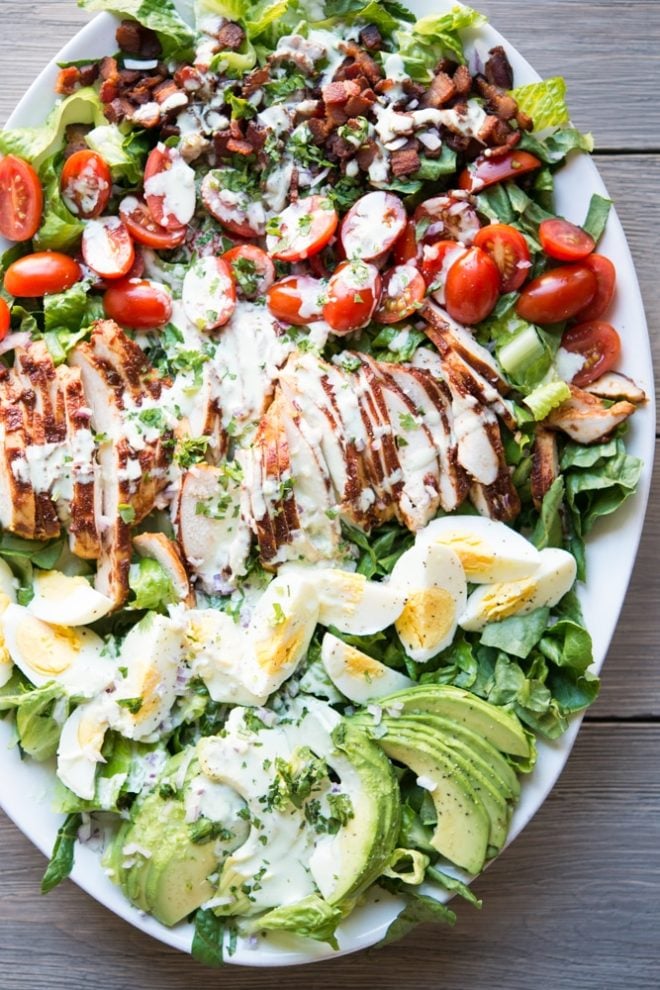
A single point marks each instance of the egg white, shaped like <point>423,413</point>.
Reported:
<point>359,677</point>
<point>79,750</point>
<point>548,584</point>
<point>433,580</point>
<point>218,652</point>
<point>65,600</point>
<point>489,551</point>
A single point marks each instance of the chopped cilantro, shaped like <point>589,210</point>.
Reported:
<point>126,513</point>
<point>132,704</point>
<point>191,451</point>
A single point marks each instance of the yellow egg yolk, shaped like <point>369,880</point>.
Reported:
<point>49,650</point>
<point>427,618</point>
<point>506,599</point>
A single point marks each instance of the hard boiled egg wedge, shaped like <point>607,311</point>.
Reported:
<point>67,601</point>
<point>359,677</point>
<point>280,631</point>
<point>150,656</point>
<point>79,750</point>
<point>489,551</point>
<point>73,658</point>
<point>7,596</point>
<point>217,651</point>
<point>553,577</point>
<point>434,584</point>
<point>350,602</point>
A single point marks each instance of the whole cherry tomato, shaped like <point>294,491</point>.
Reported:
<point>605,273</point>
<point>5,319</point>
<point>138,303</point>
<point>42,274</point>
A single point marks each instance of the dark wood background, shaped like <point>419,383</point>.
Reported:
<point>575,902</point>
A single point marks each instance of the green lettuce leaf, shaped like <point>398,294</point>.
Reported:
<point>548,529</point>
<point>432,38</point>
<point>546,397</point>
<point>517,635</point>
<point>209,938</point>
<point>597,216</point>
<point>59,230</point>
<point>36,144</point>
<point>454,885</point>
<point>599,479</point>
<point>419,909</point>
<point>61,860</point>
<point>40,714</point>
<point>312,917</point>
<point>545,102</point>
<point>151,585</point>
<point>126,154</point>
<point>554,149</point>
<point>161,16</point>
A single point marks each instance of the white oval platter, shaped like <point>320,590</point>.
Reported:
<point>25,787</point>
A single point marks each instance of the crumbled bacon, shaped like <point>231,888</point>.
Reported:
<point>74,136</point>
<point>498,69</point>
<point>499,101</point>
<point>68,80</point>
<point>231,36</point>
<point>371,38</point>
<point>462,80</point>
<point>134,39</point>
<point>440,92</point>
<point>255,80</point>
<point>406,160</point>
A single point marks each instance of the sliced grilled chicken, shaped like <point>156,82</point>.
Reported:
<point>135,378</point>
<point>213,533</point>
<point>85,505</point>
<point>157,547</point>
<point>380,455</point>
<point>115,458</point>
<point>205,418</point>
<point>586,419</point>
<point>616,386</point>
<point>18,512</point>
<point>545,464</point>
<point>432,399</point>
<point>446,334</point>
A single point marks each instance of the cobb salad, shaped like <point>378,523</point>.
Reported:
<point>308,404</point>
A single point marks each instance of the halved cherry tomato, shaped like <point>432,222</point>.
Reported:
<point>508,249</point>
<point>296,299</point>
<point>21,199</point>
<point>138,303</point>
<point>487,171</point>
<point>451,216</point>
<point>557,295</point>
<point>5,319</point>
<point>403,291</point>
<point>599,344</point>
<point>209,293</point>
<point>564,241</point>
<point>605,273</point>
<point>372,225</point>
<point>253,271</point>
<point>302,229</point>
<point>169,187</point>
<point>406,247</point>
<point>234,209</point>
<point>143,228</point>
<point>472,287</point>
<point>436,261</point>
<point>86,184</point>
<point>352,296</point>
<point>107,247</point>
<point>42,274</point>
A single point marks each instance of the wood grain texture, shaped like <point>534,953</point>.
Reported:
<point>573,903</point>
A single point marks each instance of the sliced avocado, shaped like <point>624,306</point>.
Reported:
<point>499,727</point>
<point>364,845</point>
<point>494,803</point>
<point>463,826</point>
<point>467,743</point>
<point>153,858</point>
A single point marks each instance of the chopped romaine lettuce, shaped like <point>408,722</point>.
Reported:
<point>546,397</point>
<point>59,229</point>
<point>40,714</point>
<point>151,585</point>
<point>311,917</point>
<point>596,221</point>
<point>61,860</point>
<point>161,16</point>
<point>125,153</point>
<point>431,39</point>
<point>545,102</point>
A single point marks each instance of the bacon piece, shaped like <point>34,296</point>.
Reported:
<point>230,36</point>
<point>545,464</point>
<point>405,161</point>
<point>371,38</point>
<point>462,81</point>
<point>68,80</point>
<point>441,91</point>
<point>498,69</point>
<point>134,39</point>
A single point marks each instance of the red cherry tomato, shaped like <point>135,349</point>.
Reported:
<point>372,225</point>
<point>472,287</point>
<point>138,303</point>
<point>436,260</point>
<point>450,216</point>
<point>403,291</point>
<point>5,319</point>
<point>487,171</point>
<point>86,184</point>
<point>599,344</point>
<point>605,273</point>
<point>302,229</point>
<point>563,241</point>
<point>557,295</point>
<point>296,299</point>
<point>234,209</point>
<point>209,293</point>
<point>252,269</point>
<point>169,188</point>
<point>42,274</point>
<point>143,228</point>
<point>406,247</point>
<point>352,296</point>
<point>508,249</point>
<point>21,199</point>
<point>107,247</point>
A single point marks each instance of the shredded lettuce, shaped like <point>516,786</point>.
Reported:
<point>545,102</point>
<point>36,144</point>
<point>175,36</point>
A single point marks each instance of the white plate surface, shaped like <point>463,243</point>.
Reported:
<point>25,787</point>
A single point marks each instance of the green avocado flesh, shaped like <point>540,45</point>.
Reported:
<point>496,726</point>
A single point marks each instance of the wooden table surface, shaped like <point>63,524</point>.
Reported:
<point>575,902</point>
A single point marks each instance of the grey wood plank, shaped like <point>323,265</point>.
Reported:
<point>573,903</point>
